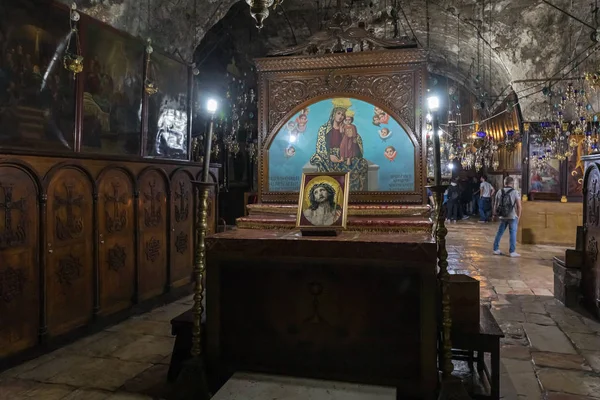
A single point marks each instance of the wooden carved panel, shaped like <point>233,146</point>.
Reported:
<point>116,228</point>
<point>152,246</point>
<point>592,197</point>
<point>69,250</point>
<point>395,90</point>
<point>19,282</point>
<point>182,225</point>
<point>591,270</point>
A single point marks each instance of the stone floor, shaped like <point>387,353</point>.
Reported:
<point>549,351</point>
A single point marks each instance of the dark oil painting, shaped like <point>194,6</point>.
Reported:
<point>168,109</point>
<point>112,95</point>
<point>37,95</point>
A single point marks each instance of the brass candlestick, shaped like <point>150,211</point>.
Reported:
<point>203,191</point>
<point>452,388</point>
<point>192,383</point>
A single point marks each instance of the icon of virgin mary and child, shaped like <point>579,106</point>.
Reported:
<point>340,147</point>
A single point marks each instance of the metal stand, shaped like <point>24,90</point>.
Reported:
<point>192,382</point>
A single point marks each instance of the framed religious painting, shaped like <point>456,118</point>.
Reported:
<point>112,91</point>
<point>544,172</point>
<point>168,108</point>
<point>323,202</point>
<point>345,135</point>
<point>37,95</point>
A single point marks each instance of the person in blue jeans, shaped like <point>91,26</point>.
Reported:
<point>486,192</point>
<point>508,209</point>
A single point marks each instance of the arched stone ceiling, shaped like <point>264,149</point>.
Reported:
<point>529,39</point>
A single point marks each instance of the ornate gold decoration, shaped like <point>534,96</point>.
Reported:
<point>389,211</point>
<point>563,199</point>
<point>245,224</point>
<point>393,90</point>
<point>73,61</point>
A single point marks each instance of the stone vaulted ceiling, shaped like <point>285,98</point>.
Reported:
<point>529,39</point>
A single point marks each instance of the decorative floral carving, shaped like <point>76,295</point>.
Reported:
<point>116,258</point>
<point>69,269</point>
<point>393,90</point>
<point>592,210</point>
<point>12,284</point>
<point>152,249</point>
<point>181,242</point>
<point>592,250</point>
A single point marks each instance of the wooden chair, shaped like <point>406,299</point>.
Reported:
<point>487,340</point>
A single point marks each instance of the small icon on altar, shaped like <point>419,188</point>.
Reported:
<point>322,207</point>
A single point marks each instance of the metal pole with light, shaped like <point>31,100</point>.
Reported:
<point>193,379</point>
<point>451,388</point>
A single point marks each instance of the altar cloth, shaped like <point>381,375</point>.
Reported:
<point>247,386</point>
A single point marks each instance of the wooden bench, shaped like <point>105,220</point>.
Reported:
<point>487,340</point>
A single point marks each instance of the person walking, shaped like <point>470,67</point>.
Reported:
<point>486,191</point>
<point>508,209</point>
<point>453,202</point>
<point>474,187</point>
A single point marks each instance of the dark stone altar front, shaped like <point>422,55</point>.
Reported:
<point>359,307</point>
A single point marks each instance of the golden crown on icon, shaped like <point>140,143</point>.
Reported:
<point>350,113</point>
<point>341,103</point>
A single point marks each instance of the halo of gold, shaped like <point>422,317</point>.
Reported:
<point>339,194</point>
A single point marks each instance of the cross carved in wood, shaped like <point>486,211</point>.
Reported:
<point>70,202</point>
<point>8,206</point>
<point>117,221</point>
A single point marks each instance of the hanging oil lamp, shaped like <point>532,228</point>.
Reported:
<point>259,10</point>
<point>73,61</point>
<point>149,86</point>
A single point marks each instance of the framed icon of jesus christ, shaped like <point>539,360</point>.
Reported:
<point>323,201</point>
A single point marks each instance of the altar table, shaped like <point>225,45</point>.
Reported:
<point>359,307</point>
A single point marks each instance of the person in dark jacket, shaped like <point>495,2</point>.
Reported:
<point>453,202</point>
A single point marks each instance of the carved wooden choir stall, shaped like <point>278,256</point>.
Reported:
<point>97,206</point>
<point>590,236</point>
<point>359,306</point>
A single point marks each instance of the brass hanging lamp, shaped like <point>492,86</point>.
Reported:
<point>259,10</point>
<point>73,60</point>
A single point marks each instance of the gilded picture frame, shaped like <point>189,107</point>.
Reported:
<point>323,201</point>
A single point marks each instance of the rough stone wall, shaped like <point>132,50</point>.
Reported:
<point>529,39</point>
<point>171,25</point>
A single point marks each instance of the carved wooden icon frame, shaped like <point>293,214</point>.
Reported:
<point>289,84</point>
